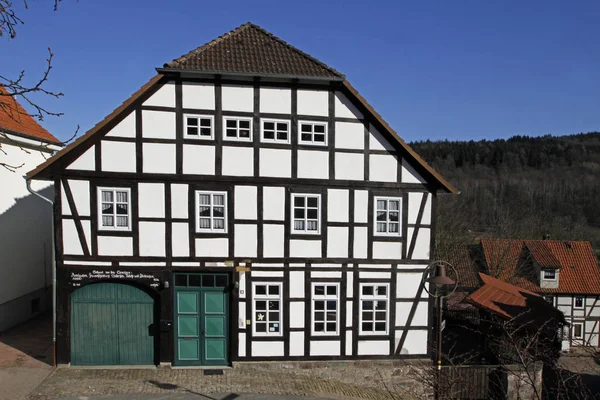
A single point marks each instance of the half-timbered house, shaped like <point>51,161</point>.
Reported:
<point>245,204</point>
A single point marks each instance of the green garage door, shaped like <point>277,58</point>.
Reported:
<point>111,325</point>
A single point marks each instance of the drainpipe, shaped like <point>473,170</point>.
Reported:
<point>28,183</point>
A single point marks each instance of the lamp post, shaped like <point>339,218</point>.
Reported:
<point>439,280</point>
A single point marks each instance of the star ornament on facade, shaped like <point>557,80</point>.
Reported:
<point>260,317</point>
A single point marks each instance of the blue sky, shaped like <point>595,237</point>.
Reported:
<point>456,70</point>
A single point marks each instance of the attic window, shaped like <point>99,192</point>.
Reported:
<point>198,126</point>
<point>550,274</point>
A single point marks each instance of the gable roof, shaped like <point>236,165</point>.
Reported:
<point>579,269</point>
<point>14,119</point>
<point>512,302</point>
<point>250,49</point>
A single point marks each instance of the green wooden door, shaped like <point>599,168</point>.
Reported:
<point>202,319</point>
<point>111,325</point>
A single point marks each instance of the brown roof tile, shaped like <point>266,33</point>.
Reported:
<point>15,119</point>
<point>251,49</point>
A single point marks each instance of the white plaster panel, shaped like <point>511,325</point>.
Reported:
<point>313,164</point>
<point>337,242</point>
<point>179,200</point>
<point>273,240</point>
<point>115,246</point>
<point>377,141</point>
<point>297,284</point>
<point>267,349</point>
<point>242,315</point>
<point>422,246</point>
<point>152,239</point>
<point>414,203</point>
<point>594,311</point>
<point>409,175</point>
<point>419,318</point>
<point>245,202</point>
<point>246,240</point>
<point>313,102</point>
<point>349,284</point>
<point>242,290</point>
<point>238,98</point>
<point>349,135</point>
<point>273,203</point>
<point>125,128</point>
<point>387,250</point>
<point>159,158</point>
<point>81,196</point>
<point>361,206</point>
<point>565,309</point>
<point>87,232</point>
<point>117,157</point>
<point>337,205</point>
<point>349,166</point>
<point>564,300</point>
<point>64,203</point>
<point>305,248</point>
<point>296,343</point>
<point>276,163</point>
<point>407,285</point>
<point>348,314</point>
<point>328,265</point>
<point>297,314</point>
<point>344,108</point>
<point>238,161</point>
<point>164,97</point>
<point>427,211</point>
<point>375,266</point>
<point>415,343</point>
<point>349,343</point>
<point>383,168</point>
<point>217,247</point>
<point>180,241</point>
<point>200,96</point>
<point>578,312</point>
<point>242,344</point>
<point>274,100</point>
<point>326,274</point>
<point>151,200</point>
<point>71,242</point>
<point>198,159</point>
<point>373,347</point>
<point>86,161</point>
<point>267,274</point>
<point>374,275</point>
<point>158,124</point>
<point>324,348</point>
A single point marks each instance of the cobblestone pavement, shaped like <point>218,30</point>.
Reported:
<point>193,396</point>
<point>73,382</point>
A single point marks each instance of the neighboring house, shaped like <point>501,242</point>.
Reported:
<point>246,204</point>
<point>25,220</point>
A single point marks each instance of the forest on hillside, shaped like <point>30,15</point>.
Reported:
<point>523,187</point>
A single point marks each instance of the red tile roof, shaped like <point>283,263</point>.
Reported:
<point>508,260</point>
<point>15,119</point>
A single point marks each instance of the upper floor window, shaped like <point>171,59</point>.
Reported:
<point>275,131</point>
<point>325,299</point>
<point>374,300</point>
<point>115,208</point>
<point>387,211</point>
<point>305,213</point>
<point>313,133</point>
<point>267,309</point>
<point>578,302</point>
<point>550,274</point>
<point>211,212</point>
<point>238,129</point>
<point>198,126</point>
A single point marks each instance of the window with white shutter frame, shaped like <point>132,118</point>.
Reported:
<point>114,209</point>
<point>374,308</point>
<point>211,211</point>
<point>387,216</point>
<point>325,302</point>
<point>306,213</point>
<point>267,309</point>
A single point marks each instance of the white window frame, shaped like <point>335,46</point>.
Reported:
<point>237,138</point>
<point>582,302</point>
<point>549,270</point>
<point>114,227</point>
<point>275,121</point>
<point>582,331</point>
<point>268,297</point>
<point>198,117</point>
<point>212,205</point>
<point>305,231</point>
<point>312,141</point>
<point>325,298</point>
<point>375,297</point>
<point>387,199</point>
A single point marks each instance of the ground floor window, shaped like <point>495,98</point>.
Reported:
<point>578,330</point>
<point>267,309</point>
<point>374,301</point>
<point>325,300</point>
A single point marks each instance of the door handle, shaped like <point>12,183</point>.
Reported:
<point>203,333</point>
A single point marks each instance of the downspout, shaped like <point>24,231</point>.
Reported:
<point>28,183</point>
